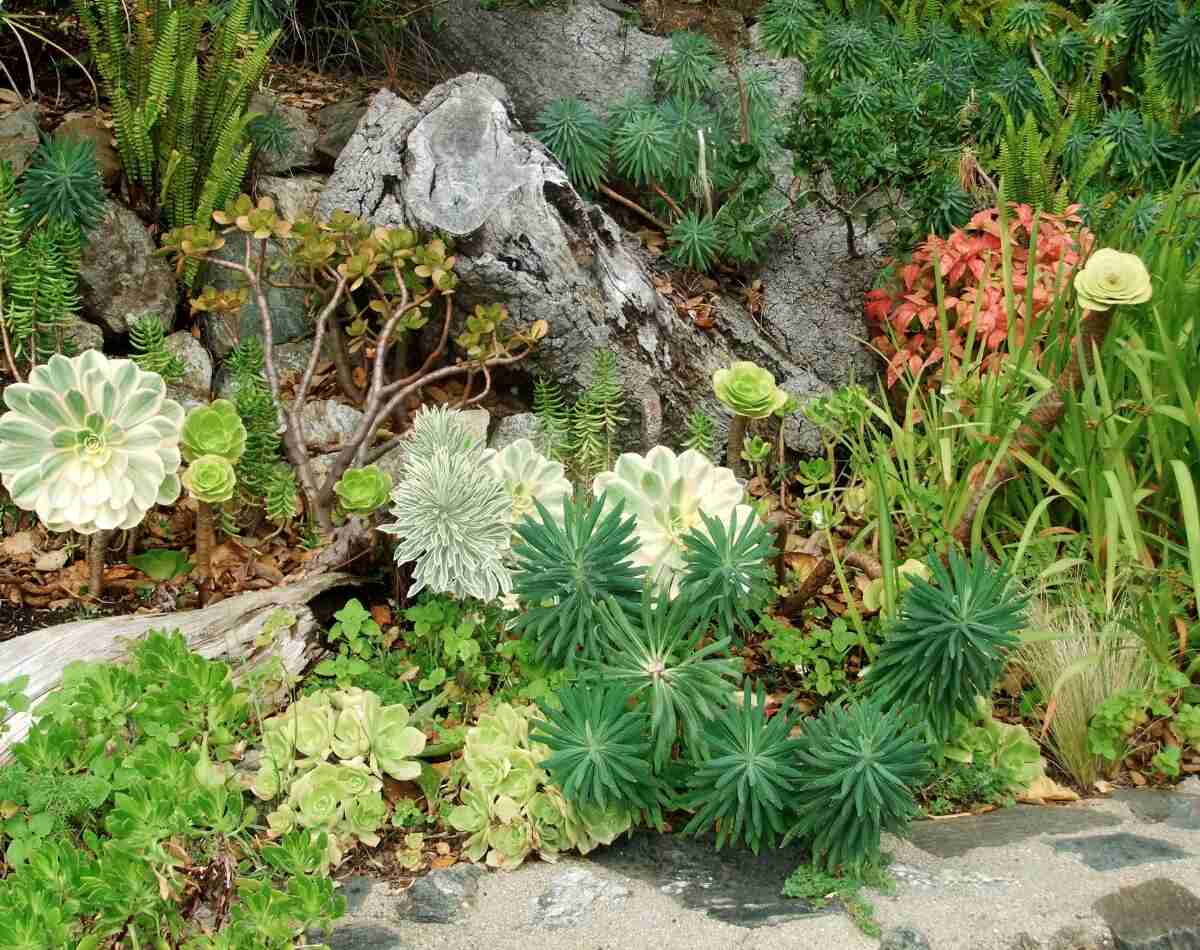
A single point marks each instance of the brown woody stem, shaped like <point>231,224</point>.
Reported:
<point>733,447</point>
<point>97,549</point>
<point>205,537</point>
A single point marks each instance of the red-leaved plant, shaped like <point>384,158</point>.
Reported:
<point>903,316</point>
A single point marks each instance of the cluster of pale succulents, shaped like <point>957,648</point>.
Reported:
<point>361,491</point>
<point>452,515</point>
<point>529,477</point>
<point>507,809</point>
<point>89,443</point>
<point>344,797</point>
<point>1006,747</point>
<point>1110,279</point>
<point>667,493</point>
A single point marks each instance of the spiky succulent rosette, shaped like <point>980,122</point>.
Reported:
<point>90,443</point>
<point>667,494</point>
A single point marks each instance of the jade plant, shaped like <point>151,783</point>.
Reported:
<point>90,444</point>
<point>507,808</point>
<point>750,391</point>
<point>325,758</point>
<point>669,495</point>
<point>363,491</point>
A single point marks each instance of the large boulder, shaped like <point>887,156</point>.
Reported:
<point>302,140</point>
<point>19,135</point>
<point>121,279</point>
<point>459,163</point>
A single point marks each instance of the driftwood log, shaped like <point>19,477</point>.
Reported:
<point>229,630</point>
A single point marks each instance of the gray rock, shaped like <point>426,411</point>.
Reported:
<point>301,149</point>
<point>354,936</point>
<point>197,364</point>
<point>327,423</point>
<point>459,163</point>
<point>441,896</point>
<point>952,839</point>
<point>120,278</point>
<point>1157,915</point>
<point>571,896</point>
<point>522,425</point>
<point>91,128</point>
<point>903,938</point>
<point>84,336</point>
<point>1189,786</point>
<point>19,135</point>
<point>292,196</point>
<point>290,317</point>
<point>1176,806</point>
<point>1120,850</point>
<point>336,122</point>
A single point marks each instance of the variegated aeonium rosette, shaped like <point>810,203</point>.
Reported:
<point>90,443</point>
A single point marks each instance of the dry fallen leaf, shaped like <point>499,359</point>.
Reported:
<point>381,614</point>
<point>443,861</point>
<point>52,560</point>
<point>1045,789</point>
<point>18,545</point>
<point>1103,787</point>
<point>1138,778</point>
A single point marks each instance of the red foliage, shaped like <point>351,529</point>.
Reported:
<point>903,316</point>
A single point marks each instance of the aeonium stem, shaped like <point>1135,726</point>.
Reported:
<point>737,439</point>
<point>205,537</point>
<point>97,549</point>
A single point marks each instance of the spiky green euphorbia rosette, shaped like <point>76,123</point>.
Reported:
<point>363,490</point>
<point>949,644</point>
<point>748,389</point>
<point>667,494</point>
<point>745,781</point>
<point>215,429</point>
<point>210,479</point>
<point>530,477</point>
<point>858,767</point>
<point>1110,279</point>
<point>90,443</point>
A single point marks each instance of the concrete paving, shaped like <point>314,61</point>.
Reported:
<point>1115,873</point>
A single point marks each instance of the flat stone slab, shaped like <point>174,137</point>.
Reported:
<point>1157,915</point>
<point>733,885</point>
<point>910,878</point>
<point>954,837</point>
<point>571,896</point>
<point>1120,850</point>
<point>1177,809</point>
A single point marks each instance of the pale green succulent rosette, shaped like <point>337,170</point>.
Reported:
<point>215,429</point>
<point>210,479</point>
<point>666,494</point>
<point>361,491</point>
<point>309,723</point>
<point>748,389</point>
<point>529,477</point>
<point>395,744</point>
<point>1112,278</point>
<point>317,797</point>
<point>510,844</point>
<point>365,815</point>
<point>90,444</point>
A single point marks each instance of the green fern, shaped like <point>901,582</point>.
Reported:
<point>596,418</point>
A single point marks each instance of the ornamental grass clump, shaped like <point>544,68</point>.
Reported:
<point>90,444</point>
<point>750,391</point>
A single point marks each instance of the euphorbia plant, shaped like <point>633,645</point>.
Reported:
<point>384,283</point>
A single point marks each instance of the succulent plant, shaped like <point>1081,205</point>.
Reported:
<point>1111,278</point>
<point>657,657</point>
<point>452,519</point>
<point>744,783</point>
<point>530,477</point>
<point>748,389</point>
<point>327,755</point>
<point>215,429</point>
<point>858,768</point>
<point>1006,747</point>
<point>438,427</point>
<point>565,568</point>
<point>62,183</point>
<point>668,495</point>
<point>949,644</point>
<point>90,443</point>
<point>361,491</point>
<point>726,570</point>
<point>210,479</point>
<point>507,809</point>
